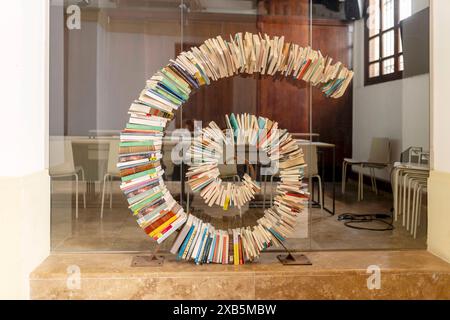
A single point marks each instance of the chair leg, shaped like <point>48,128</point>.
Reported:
<point>361,184</point>
<point>417,212</point>
<point>110,191</point>
<point>84,190</point>
<point>373,180</point>
<point>319,179</point>
<point>404,200</point>
<point>271,190</point>
<point>344,176</point>
<point>264,192</point>
<point>76,195</point>
<point>420,204</point>
<point>414,207</point>
<point>408,207</point>
<point>103,196</point>
<point>394,191</point>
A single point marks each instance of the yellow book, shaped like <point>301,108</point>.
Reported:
<point>227,202</point>
<point>163,226</point>
<point>236,248</point>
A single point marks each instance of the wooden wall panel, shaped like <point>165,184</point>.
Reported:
<point>289,101</point>
<point>282,99</point>
<point>333,118</point>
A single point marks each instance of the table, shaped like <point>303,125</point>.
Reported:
<point>332,146</point>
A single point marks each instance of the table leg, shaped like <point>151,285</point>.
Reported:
<point>334,181</point>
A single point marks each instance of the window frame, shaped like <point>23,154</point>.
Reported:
<point>397,74</point>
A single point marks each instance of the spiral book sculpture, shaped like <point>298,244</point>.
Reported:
<point>151,203</point>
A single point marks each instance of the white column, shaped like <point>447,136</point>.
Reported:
<point>24,180</point>
<point>439,183</point>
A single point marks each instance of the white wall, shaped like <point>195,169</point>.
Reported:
<point>441,87</point>
<point>439,182</point>
<point>24,180</point>
<point>398,109</point>
<point>56,97</point>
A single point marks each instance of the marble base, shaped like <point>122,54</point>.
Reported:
<point>333,275</point>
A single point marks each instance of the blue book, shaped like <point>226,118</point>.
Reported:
<point>213,245</point>
<point>201,245</point>
<point>276,234</point>
<point>185,242</point>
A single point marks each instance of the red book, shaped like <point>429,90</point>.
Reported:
<point>300,76</point>
<point>241,251</point>
<point>216,248</point>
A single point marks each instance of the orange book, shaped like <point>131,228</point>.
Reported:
<point>128,171</point>
<point>123,150</point>
<point>148,229</point>
<point>224,249</point>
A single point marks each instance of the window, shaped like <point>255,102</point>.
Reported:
<point>384,52</point>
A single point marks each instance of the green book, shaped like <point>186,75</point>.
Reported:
<point>174,87</point>
<point>143,127</point>
<point>139,174</point>
<point>136,143</point>
<point>138,206</point>
<point>174,79</point>
<point>234,122</point>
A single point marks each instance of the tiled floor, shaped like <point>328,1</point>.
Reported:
<point>318,230</point>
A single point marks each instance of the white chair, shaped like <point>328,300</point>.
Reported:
<point>379,158</point>
<point>311,170</point>
<point>65,167</point>
<point>409,185</point>
<point>111,172</point>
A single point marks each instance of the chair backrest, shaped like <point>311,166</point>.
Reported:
<point>227,170</point>
<point>113,157</point>
<point>311,159</point>
<point>380,151</point>
<point>61,156</point>
<point>166,160</point>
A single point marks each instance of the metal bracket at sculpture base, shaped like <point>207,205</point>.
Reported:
<point>152,260</point>
<point>294,260</point>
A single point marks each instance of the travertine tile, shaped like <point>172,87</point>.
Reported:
<point>333,275</point>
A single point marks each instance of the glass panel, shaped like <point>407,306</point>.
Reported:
<point>405,9</point>
<point>387,9</point>
<point>373,21</point>
<point>374,49</point>
<point>388,43</point>
<point>388,66</point>
<point>374,70</point>
<point>98,68</point>
<point>352,123</point>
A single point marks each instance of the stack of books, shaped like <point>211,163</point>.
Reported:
<point>201,242</point>
<point>140,153</point>
<point>167,90</point>
<point>250,53</point>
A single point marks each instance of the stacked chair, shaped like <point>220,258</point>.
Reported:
<point>409,185</point>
